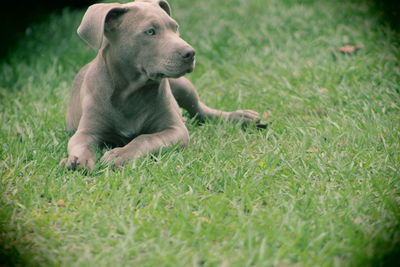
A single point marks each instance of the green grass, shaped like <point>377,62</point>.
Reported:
<point>320,187</point>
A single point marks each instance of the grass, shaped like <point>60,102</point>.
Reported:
<point>320,187</point>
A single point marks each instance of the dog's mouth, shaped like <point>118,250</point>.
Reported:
<point>161,75</point>
<point>172,71</point>
<point>157,76</point>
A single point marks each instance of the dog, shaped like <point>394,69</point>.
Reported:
<point>129,95</point>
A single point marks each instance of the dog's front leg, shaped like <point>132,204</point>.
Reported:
<point>146,144</point>
<point>80,152</point>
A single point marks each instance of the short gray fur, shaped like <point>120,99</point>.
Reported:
<point>128,95</point>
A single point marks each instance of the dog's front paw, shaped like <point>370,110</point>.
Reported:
<point>117,157</point>
<point>246,116</point>
<point>74,163</point>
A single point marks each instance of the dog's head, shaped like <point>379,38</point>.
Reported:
<point>141,35</point>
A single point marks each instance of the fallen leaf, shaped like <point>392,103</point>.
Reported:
<point>312,150</point>
<point>203,219</point>
<point>349,49</point>
<point>265,115</point>
<point>61,203</point>
<point>324,90</point>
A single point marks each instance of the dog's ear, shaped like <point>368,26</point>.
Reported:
<point>162,3</point>
<point>97,19</point>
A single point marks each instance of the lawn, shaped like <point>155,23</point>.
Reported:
<point>319,187</point>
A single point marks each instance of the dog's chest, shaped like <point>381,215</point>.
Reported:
<point>131,126</point>
<point>131,120</point>
<point>137,114</point>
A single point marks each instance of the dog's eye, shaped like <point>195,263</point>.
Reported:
<point>150,32</point>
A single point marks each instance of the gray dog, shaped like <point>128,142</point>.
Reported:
<point>128,95</point>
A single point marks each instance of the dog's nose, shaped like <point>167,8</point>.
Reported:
<point>187,53</point>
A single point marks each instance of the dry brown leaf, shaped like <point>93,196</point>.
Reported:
<point>60,203</point>
<point>203,219</point>
<point>265,115</point>
<point>348,49</point>
<point>324,90</point>
<point>312,150</point>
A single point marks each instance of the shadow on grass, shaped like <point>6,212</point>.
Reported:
<point>391,259</point>
<point>10,256</point>
<point>9,253</point>
<point>391,11</point>
<point>19,14</point>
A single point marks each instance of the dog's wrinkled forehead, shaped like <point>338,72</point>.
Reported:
<point>160,3</point>
<point>144,14</point>
<point>93,22</point>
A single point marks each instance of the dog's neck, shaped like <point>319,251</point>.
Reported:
<point>127,79</point>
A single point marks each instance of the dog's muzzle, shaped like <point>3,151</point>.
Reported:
<point>187,54</point>
<point>182,63</point>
